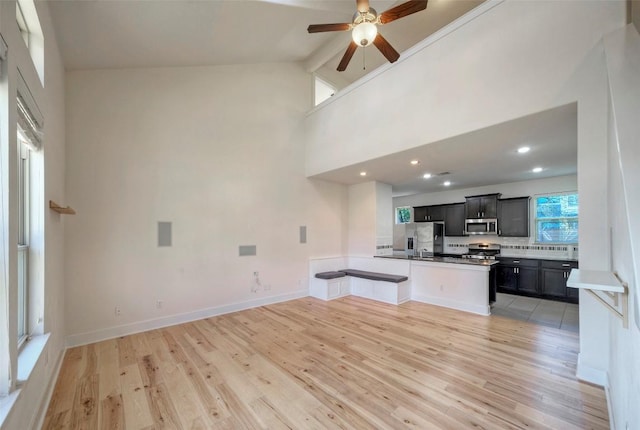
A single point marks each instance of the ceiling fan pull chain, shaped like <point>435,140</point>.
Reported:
<point>364,58</point>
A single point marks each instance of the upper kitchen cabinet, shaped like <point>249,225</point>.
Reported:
<point>428,213</point>
<point>478,207</point>
<point>513,217</point>
<point>454,219</point>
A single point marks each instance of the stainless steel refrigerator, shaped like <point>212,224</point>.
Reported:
<point>421,236</point>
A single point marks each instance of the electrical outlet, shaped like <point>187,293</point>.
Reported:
<point>159,304</point>
<point>116,311</point>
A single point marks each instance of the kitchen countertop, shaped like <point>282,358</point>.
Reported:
<point>452,260</point>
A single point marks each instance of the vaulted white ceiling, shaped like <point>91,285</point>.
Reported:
<point>154,33</point>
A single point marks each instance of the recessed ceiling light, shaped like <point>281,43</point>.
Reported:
<point>447,183</point>
<point>426,175</point>
<point>415,162</point>
<point>523,149</point>
<point>363,173</point>
<point>537,169</point>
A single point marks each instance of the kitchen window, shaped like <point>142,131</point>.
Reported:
<point>403,215</point>
<point>556,218</point>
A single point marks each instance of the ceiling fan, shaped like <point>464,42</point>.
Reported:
<point>365,30</point>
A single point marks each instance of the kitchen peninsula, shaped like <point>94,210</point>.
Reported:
<point>456,283</point>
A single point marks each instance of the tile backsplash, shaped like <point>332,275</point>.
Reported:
<point>513,247</point>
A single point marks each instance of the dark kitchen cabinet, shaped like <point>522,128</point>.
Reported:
<point>513,217</point>
<point>553,280</point>
<point>478,207</point>
<point>454,219</point>
<point>518,275</point>
<point>428,213</point>
<point>536,278</point>
<point>506,279</point>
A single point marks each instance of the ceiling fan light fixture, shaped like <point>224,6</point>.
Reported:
<point>364,33</point>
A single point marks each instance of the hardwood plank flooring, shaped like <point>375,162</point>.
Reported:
<point>350,363</point>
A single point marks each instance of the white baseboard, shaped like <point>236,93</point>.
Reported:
<point>590,374</point>
<point>152,324</point>
<point>44,406</point>
<point>452,304</point>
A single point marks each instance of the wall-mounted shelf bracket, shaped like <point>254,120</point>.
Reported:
<point>609,284</point>
<point>60,209</point>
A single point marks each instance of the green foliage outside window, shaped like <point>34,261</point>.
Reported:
<point>557,218</point>
<point>403,215</point>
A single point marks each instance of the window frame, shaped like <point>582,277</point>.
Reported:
<point>23,206</point>
<point>22,24</point>
<point>537,220</point>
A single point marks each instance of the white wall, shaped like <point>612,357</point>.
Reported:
<point>31,402</point>
<point>498,67</point>
<point>210,149</point>
<point>623,58</point>
<point>384,224</point>
<point>362,219</point>
<point>370,228</point>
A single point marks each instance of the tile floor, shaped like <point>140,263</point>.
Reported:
<point>544,312</point>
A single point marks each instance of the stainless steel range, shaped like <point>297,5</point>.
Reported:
<point>483,251</point>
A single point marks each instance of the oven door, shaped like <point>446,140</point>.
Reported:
<point>481,226</point>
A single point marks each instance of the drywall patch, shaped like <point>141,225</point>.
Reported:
<point>246,250</point>
<point>164,233</point>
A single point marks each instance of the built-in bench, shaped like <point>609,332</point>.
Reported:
<point>384,287</point>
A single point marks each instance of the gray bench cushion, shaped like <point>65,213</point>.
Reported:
<point>375,276</point>
<point>330,275</point>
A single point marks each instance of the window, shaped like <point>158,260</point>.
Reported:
<point>323,91</point>
<point>403,215</point>
<point>22,24</point>
<point>23,237</point>
<point>29,26</point>
<point>556,218</point>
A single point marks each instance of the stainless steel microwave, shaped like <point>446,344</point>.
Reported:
<point>481,226</point>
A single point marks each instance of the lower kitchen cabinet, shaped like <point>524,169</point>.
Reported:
<point>518,275</point>
<point>536,278</point>
<point>553,281</point>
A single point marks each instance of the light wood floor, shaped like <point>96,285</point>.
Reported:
<point>350,363</point>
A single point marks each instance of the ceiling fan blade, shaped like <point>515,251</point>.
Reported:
<point>402,10</point>
<point>386,48</point>
<point>351,49</point>
<point>319,28</point>
<point>362,5</point>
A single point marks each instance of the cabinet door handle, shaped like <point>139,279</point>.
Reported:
<point>478,214</point>
<point>516,261</point>
<point>566,264</point>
